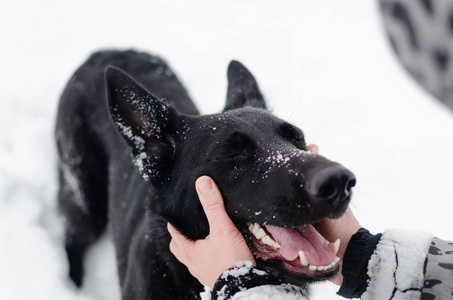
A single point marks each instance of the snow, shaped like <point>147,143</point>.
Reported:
<point>323,65</point>
<point>206,294</point>
<point>137,141</point>
<point>268,292</point>
<point>140,162</point>
<point>241,268</point>
<point>74,185</point>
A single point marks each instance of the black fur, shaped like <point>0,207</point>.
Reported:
<point>257,160</point>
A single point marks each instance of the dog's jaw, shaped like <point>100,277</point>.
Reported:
<point>304,252</point>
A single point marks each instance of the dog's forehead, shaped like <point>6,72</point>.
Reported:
<point>242,119</point>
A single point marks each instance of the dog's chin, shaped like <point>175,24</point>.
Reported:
<point>298,254</point>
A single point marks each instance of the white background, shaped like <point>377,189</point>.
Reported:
<point>324,65</point>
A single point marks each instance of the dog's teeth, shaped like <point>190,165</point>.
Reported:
<point>268,241</point>
<point>303,258</point>
<point>334,263</point>
<point>337,245</point>
<point>260,234</point>
<point>253,227</point>
<point>256,227</point>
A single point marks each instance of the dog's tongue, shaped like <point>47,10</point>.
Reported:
<point>317,249</point>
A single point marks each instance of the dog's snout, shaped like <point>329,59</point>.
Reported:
<point>333,184</point>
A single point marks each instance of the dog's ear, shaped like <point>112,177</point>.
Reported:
<point>146,123</point>
<point>242,88</point>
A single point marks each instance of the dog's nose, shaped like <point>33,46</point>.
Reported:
<point>333,184</point>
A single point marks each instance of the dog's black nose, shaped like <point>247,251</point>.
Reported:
<point>333,184</point>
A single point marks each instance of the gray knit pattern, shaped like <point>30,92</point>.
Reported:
<point>439,271</point>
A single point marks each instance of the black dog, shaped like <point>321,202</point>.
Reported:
<point>274,190</point>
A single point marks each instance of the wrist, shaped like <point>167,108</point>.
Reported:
<point>355,263</point>
<point>346,238</point>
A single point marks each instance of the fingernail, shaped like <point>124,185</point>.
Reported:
<point>204,186</point>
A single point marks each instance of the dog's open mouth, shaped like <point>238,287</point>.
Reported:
<point>303,250</point>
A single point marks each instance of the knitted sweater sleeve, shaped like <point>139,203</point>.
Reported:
<point>396,268</point>
<point>395,265</point>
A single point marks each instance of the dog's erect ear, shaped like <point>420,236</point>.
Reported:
<point>146,123</point>
<point>242,88</point>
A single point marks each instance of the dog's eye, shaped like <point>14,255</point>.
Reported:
<point>239,146</point>
<point>292,134</point>
<point>234,157</point>
<point>238,156</point>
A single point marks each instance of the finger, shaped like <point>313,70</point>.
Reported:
<point>180,246</point>
<point>213,206</point>
<point>178,237</point>
<point>174,248</point>
<point>313,148</point>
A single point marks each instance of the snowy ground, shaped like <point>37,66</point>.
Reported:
<point>324,65</point>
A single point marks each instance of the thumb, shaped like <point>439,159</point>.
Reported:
<point>213,206</point>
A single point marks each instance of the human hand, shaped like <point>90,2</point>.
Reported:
<point>342,228</point>
<point>207,259</point>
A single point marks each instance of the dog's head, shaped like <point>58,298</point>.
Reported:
<point>274,190</point>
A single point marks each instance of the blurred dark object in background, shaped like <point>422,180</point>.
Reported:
<point>421,34</point>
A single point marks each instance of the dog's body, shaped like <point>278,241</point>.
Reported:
<point>259,162</point>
